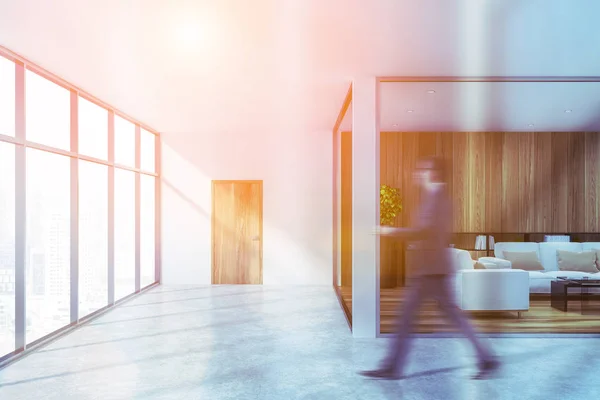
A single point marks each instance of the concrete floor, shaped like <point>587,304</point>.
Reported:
<point>253,342</point>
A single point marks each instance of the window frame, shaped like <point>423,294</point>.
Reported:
<point>21,66</point>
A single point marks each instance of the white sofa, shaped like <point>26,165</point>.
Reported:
<point>539,281</point>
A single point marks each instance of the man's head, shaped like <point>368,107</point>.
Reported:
<point>432,169</point>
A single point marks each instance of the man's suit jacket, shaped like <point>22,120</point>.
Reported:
<point>431,232</point>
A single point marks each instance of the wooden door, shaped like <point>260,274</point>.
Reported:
<point>237,232</point>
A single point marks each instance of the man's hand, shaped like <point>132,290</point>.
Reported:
<point>400,233</point>
<point>384,230</point>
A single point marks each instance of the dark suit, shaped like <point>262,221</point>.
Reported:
<point>432,226</point>
<point>431,233</point>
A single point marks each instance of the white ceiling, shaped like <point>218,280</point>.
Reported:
<point>285,65</point>
<point>495,107</point>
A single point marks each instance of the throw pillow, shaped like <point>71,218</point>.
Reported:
<point>478,265</point>
<point>525,260</point>
<point>597,258</point>
<point>584,261</point>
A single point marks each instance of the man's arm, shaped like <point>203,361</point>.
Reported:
<point>404,234</point>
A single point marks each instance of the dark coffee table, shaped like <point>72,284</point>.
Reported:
<point>559,290</point>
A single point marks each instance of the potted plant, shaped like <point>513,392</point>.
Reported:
<point>390,204</point>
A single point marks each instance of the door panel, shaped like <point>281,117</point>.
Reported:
<point>237,232</point>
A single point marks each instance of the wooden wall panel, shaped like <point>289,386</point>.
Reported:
<point>501,182</point>
<point>559,189</point>
<point>427,143</point>
<point>460,181</point>
<point>427,146</point>
<point>576,183</point>
<point>445,150</point>
<point>526,179</point>
<point>410,149</point>
<point>510,182</point>
<point>475,189</point>
<point>542,198</point>
<point>384,169</point>
<point>390,165</point>
<point>385,262</point>
<point>592,174</point>
<point>346,207</point>
<point>391,159</point>
<point>493,181</point>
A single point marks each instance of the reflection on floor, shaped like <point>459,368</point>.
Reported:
<point>265,342</point>
<point>541,318</point>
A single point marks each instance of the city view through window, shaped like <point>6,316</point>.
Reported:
<point>54,178</point>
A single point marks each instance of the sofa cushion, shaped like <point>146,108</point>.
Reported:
<point>515,246</point>
<point>539,282</point>
<point>548,255</point>
<point>584,261</point>
<point>491,265</point>
<point>525,260</point>
<point>488,265</point>
<point>593,246</point>
<point>540,275</point>
<point>586,246</point>
<point>571,274</point>
<point>499,262</point>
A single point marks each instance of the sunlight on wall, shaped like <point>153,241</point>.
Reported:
<point>186,221</point>
<point>296,209</point>
<point>288,261</point>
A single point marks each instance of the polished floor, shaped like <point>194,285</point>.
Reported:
<point>253,342</point>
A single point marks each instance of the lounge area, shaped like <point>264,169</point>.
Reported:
<point>526,232</point>
<point>500,298</point>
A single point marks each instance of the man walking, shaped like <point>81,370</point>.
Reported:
<point>431,231</point>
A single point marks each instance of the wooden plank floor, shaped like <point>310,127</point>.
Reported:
<point>541,318</point>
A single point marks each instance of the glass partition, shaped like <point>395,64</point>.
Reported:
<point>7,248</point>
<point>79,191</point>
<point>515,177</point>
<point>342,158</point>
<point>48,255</point>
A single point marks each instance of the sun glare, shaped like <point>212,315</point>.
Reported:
<point>188,34</point>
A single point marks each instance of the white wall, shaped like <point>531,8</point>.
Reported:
<point>296,167</point>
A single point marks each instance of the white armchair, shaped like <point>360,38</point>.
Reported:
<point>462,259</point>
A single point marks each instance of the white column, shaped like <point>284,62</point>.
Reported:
<point>473,59</point>
<point>365,208</point>
<point>74,210</point>
<point>20,211</point>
